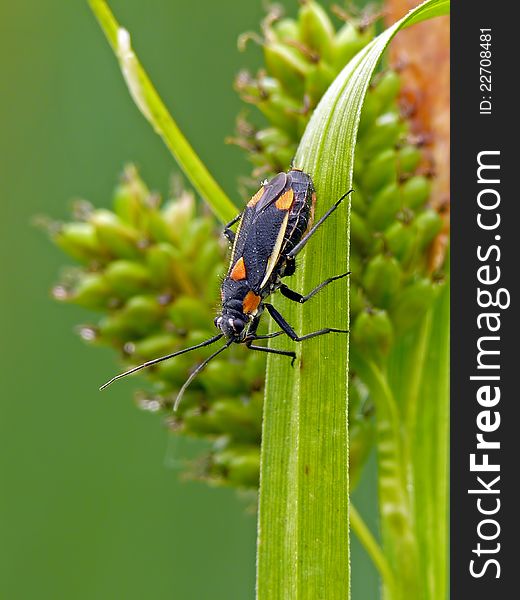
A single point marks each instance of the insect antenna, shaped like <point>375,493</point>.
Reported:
<point>196,372</point>
<point>149,363</point>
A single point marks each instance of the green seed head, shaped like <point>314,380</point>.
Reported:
<point>152,269</point>
<point>373,334</point>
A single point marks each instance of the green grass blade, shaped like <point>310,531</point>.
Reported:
<point>432,460</point>
<point>360,528</point>
<point>152,107</point>
<point>419,372</point>
<point>399,542</point>
<point>303,548</point>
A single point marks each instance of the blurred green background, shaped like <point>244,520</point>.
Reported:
<point>90,506</point>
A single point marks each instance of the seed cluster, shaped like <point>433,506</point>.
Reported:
<point>152,269</point>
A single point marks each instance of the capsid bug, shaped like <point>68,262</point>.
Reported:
<point>272,229</point>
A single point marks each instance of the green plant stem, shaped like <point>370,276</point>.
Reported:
<point>373,549</point>
<point>395,503</point>
<point>152,107</point>
<point>303,547</point>
<point>424,354</point>
<point>439,457</point>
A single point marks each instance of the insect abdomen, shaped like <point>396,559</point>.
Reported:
<point>302,210</point>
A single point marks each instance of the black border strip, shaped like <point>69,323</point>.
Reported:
<point>473,132</point>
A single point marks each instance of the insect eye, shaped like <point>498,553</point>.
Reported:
<point>238,325</point>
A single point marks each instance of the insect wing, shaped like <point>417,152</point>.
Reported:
<point>241,235</point>
<point>266,232</point>
<point>263,246</point>
<point>271,192</point>
<point>262,231</point>
<point>265,196</point>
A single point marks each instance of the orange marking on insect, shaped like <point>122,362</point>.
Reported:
<point>256,198</point>
<point>250,303</point>
<point>285,201</point>
<point>238,272</point>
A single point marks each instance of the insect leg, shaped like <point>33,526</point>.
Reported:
<point>299,246</point>
<point>254,326</point>
<point>227,229</point>
<point>267,336</point>
<point>296,297</point>
<point>290,331</point>
<point>273,351</point>
<point>251,335</point>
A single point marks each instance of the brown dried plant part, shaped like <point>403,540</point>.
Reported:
<point>422,54</point>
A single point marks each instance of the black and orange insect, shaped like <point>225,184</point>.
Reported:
<point>272,229</point>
